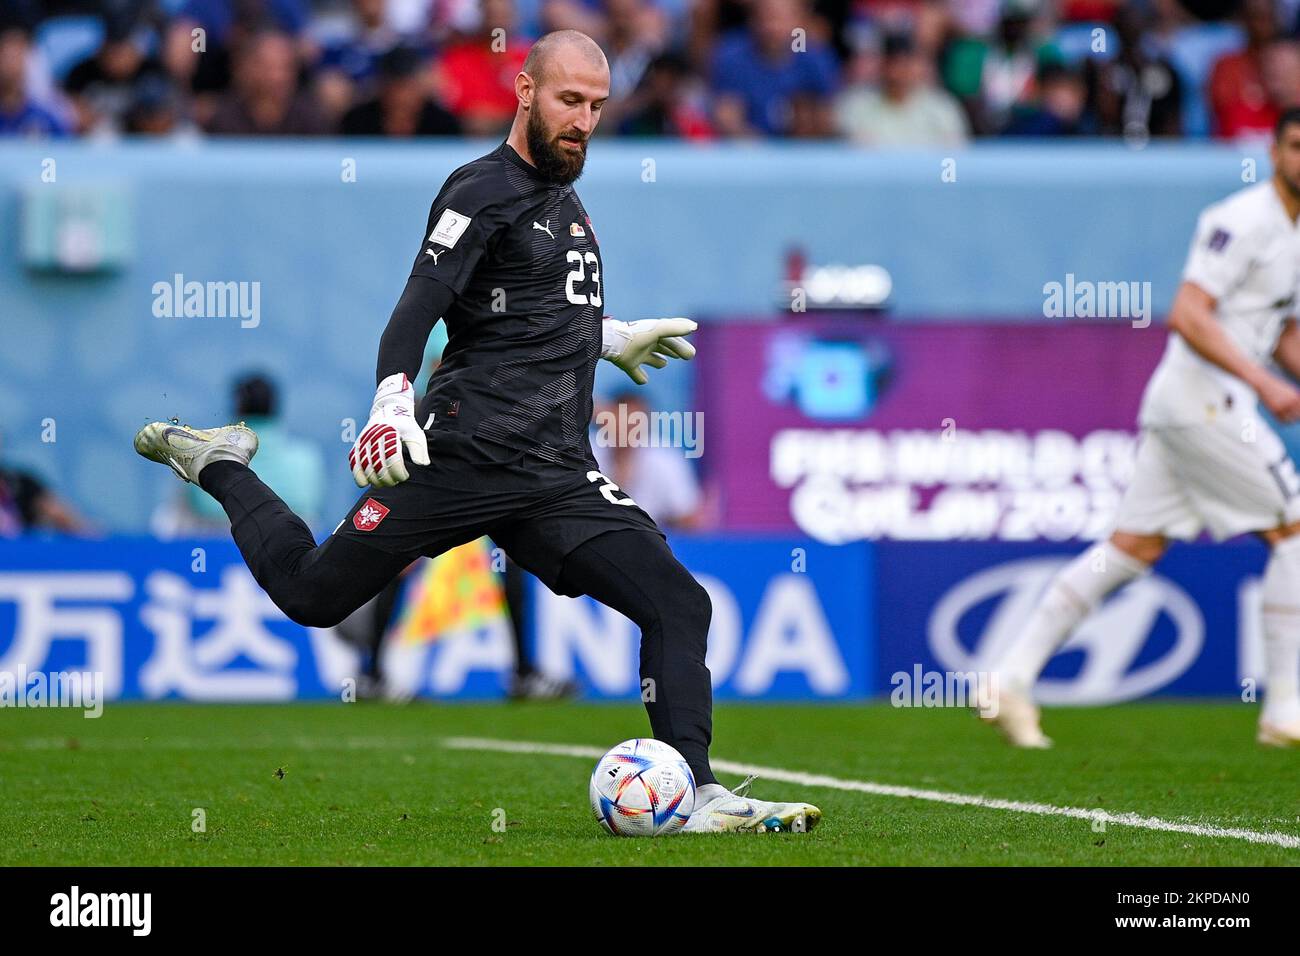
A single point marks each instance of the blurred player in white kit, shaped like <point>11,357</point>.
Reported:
<point>1206,460</point>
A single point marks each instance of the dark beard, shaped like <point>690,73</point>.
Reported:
<point>1292,188</point>
<point>552,162</point>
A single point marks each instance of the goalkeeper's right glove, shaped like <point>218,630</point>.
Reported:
<point>629,345</point>
<point>376,456</point>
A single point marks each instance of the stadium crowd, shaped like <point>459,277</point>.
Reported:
<point>877,72</point>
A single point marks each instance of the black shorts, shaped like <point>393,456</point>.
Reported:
<point>538,511</point>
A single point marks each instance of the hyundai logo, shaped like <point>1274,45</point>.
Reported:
<point>1111,638</point>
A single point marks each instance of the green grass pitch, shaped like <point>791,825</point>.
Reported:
<point>371,784</point>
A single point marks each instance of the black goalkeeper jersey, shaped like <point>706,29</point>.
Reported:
<point>524,329</point>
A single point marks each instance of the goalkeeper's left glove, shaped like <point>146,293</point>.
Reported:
<point>629,345</point>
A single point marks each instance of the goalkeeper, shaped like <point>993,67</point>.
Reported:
<point>498,443</point>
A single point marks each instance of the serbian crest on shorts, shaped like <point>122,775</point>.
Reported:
<point>369,515</point>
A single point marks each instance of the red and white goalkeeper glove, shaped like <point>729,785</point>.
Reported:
<point>629,345</point>
<point>376,456</point>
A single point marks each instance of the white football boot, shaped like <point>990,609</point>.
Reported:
<point>187,450</point>
<point>733,811</point>
<point>1017,719</point>
<point>1272,734</point>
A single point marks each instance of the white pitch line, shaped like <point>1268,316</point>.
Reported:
<point>298,742</point>
<point>1285,840</point>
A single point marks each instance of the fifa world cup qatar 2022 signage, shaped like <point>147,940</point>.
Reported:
<point>844,429</point>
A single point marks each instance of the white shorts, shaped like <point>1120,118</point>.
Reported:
<point>1228,477</point>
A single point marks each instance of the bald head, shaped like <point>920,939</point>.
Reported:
<point>570,48</point>
<point>561,91</point>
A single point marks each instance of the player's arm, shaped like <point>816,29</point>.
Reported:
<point>401,348</point>
<point>458,232</point>
<point>1287,353</point>
<point>1194,319</point>
<point>376,456</point>
<point>1220,259</point>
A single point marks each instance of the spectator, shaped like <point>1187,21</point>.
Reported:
<point>403,106</point>
<point>932,29</point>
<point>409,17</point>
<point>223,20</point>
<point>349,65</point>
<point>21,114</point>
<point>156,110</point>
<point>1092,11</point>
<point>656,476</point>
<point>833,21</point>
<point>902,110</point>
<point>102,85</point>
<point>477,72</point>
<point>1238,100</point>
<point>1280,73</point>
<point>708,21</point>
<point>1059,109</point>
<point>26,504</point>
<point>585,16</point>
<point>198,43</point>
<point>666,103</point>
<point>1139,92</point>
<point>991,78</point>
<point>772,66</point>
<point>773,79</point>
<point>293,467</point>
<point>974,18</point>
<point>638,32</point>
<point>264,97</point>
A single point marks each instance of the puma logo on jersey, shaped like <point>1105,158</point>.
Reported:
<point>430,252</point>
<point>546,228</point>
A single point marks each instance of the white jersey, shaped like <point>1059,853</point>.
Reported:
<point>1246,253</point>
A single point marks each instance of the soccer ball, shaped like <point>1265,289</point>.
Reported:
<point>642,787</point>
